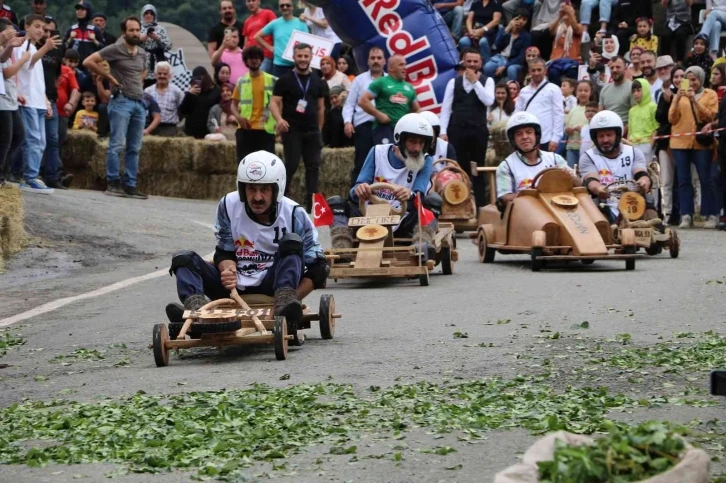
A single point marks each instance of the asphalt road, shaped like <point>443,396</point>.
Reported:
<point>390,333</point>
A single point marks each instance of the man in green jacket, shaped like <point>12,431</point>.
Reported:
<point>251,106</point>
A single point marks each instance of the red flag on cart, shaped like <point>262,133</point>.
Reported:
<point>322,214</point>
<point>426,216</point>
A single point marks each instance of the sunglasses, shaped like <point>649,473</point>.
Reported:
<point>285,5</point>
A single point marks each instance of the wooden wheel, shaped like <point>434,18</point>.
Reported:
<point>486,254</point>
<point>371,233</point>
<point>380,201</point>
<point>280,338</point>
<point>674,244</point>
<point>159,340</point>
<point>325,314</point>
<point>447,264</point>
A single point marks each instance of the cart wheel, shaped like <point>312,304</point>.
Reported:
<point>325,314</point>
<point>176,327</point>
<point>447,264</point>
<point>280,338</point>
<point>629,264</point>
<point>486,254</point>
<point>675,244</point>
<point>159,339</point>
<point>537,264</point>
<point>587,262</point>
<point>654,250</point>
<point>424,279</point>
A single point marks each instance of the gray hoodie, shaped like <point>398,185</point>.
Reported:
<point>155,48</point>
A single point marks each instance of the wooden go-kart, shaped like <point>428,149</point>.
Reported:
<point>454,186</point>
<point>239,320</point>
<point>553,221</point>
<point>378,254</point>
<point>650,233</point>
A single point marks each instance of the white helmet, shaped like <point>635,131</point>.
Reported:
<point>413,124</point>
<point>261,167</point>
<point>606,120</point>
<point>523,119</point>
<point>432,118</point>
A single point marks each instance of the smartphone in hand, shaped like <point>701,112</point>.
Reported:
<point>685,85</point>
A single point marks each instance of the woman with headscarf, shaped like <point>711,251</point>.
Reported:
<point>699,55</point>
<point>221,120</point>
<point>222,73</point>
<point>332,75</point>
<point>690,110</point>
<point>198,101</point>
<point>154,40</point>
<point>347,66</point>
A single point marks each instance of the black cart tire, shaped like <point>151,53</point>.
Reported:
<point>159,340</point>
<point>176,327</point>
<point>654,250</point>
<point>675,244</point>
<point>537,264</point>
<point>447,264</point>
<point>325,313</point>
<point>424,279</point>
<point>629,264</point>
<point>280,338</point>
<point>486,254</point>
<point>587,262</point>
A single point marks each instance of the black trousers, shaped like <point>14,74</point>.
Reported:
<point>471,145</point>
<point>252,140</point>
<point>12,134</point>
<point>308,145</point>
<point>678,39</point>
<point>363,144</point>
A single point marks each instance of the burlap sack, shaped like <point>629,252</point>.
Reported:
<point>693,467</point>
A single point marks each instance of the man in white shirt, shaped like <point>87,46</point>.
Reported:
<point>464,117</point>
<point>356,120</point>
<point>544,100</point>
<point>169,97</point>
<point>647,65</point>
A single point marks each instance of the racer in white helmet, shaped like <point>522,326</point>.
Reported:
<point>266,244</point>
<point>610,160</point>
<point>439,148</point>
<point>519,169</point>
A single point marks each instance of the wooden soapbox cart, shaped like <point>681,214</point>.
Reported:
<point>240,320</point>
<point>553,221</point>
<point>378,254</point>
<point>454,186</point>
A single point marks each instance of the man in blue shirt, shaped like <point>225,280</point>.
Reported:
<point>281,30</point>
<point>453,14</point>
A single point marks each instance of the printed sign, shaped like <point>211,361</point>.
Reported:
<point>180,76</point>
<point>228,313</point>
<point>321,47</point>
<point>374,220</point>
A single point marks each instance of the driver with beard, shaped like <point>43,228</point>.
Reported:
<point>266,244</point>
<point>404,164</point>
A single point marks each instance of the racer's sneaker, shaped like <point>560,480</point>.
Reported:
<point>686,222</point>
<point>196,302</point>
<point>287,305</point>
<point>711,222</point>
<point>114,188</point>
<point>35,186</point>
<point>175,312</point>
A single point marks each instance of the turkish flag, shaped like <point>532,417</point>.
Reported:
<point>322,214</point>
<point>426,216</point>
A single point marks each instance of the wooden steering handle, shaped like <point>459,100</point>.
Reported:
<point>540,174</point>
<point>448,162</point>
<point>380,201</point>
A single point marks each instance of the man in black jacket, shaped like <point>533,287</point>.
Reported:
<point>99,20</point>
<point>83,36</point>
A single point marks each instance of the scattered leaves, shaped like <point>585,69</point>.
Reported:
<point>9,339</point>
<point>460,335</point>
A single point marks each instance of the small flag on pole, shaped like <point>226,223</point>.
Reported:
<point>426,216</point>
<point>322,214</point>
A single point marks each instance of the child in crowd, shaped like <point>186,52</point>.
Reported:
<point>334,129</point>
<point>641,118</point>
<point>591,109</point>
<point>699,54</point>
<point>644,36</point>
<point>71,59</point>
<point>503,105</point>
<point>568,94</point>
<point>576,120</point>
<point>87,118</point>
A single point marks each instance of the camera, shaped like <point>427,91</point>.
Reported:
<point>150,30</point>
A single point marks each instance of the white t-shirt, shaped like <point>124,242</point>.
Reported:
<point>8,100</point>
<point>320,32</point>
<point>31,81</point>
<point>585,141</point>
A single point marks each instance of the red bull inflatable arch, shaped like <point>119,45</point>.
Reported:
<point>411,28</point>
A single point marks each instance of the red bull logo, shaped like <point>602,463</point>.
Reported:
<point>244,244</point>
<point>380,179</point>
<point>524,184</point>
<point>605,172</point>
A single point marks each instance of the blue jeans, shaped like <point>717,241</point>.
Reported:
<point>266,65</point>
<point>702,159</point>
<point>712,27</point>
<point>484,47</point>
<point>51,157</point>
<point>500,61</point>
<point>34,143</point>
<point>573,157</point>
<point>454,19</point>
<point>127,117</point>
<point>606,8</point>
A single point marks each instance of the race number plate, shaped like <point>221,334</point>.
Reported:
<point>374,220</point>
<point>228,313</point>
<point>643,236</point>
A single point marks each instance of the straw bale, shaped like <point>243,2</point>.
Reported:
<point>79,149</point>
<point>165,154</point>
<point>214,157</point>
<point>499,144</point>
<point>11,222</point>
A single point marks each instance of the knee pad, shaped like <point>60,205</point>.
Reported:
<point>291,244</point>
<point>183,259</point>
<point>318,273</point>
<point>433,202</point>
<point>337,204</point>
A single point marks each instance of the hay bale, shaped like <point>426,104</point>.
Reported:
<point>214,157</point>
<point>11,222</point>
<point>335,168</point>
<point>499,144</point>
<point>79,149</point>
<point>165,155</point>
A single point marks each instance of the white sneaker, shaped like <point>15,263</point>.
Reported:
<point>686,222</point>
<point>35,186</point>
<point>585,36</point>
<point>711,222</point>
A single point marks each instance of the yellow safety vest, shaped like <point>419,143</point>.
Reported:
<point>244,87</point>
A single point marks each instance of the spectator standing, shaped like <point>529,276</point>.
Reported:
<point>482,26</point>
<point>624,20</point>
<point>222,74</point>
<point>221,119</point>
<point>502,108</point>
<point>616,95</point>
<point>230,53</point>
<point>464,117</point>
<point>714,23</point>
<point>669,199</point>
<point>331,74</point>
<point>567,33</point>
<point>643,36</point>
<point>678,27</point>
<point>690,108</point>
<point>357,121</point>
<point>52,61</point>
<point>99,20</point>
<point>83,37</point>
<point>511,44</point>
<point>38,7</point>
<point>154,40</point>
<point>699,54</point>
<point>575,120</point>
<point>513,88</point>
<point>11,124</point>
<point>31,87</point>
<point>280,30</point>
<point>314,18</point>
<point>334,129</point>
<point>8,13</point>
<point>198,100</point>
<point>227,18</point>
<point>452,13</point>
<point>347,66</point>
<point>127,62</point>
<point>642,123</point>
<point>169,98</point>
<point>251,105</point>
<point>298,106</point>
<point>259,17</point>
<point>663,67</point>
<point>549,10</point>
<point>543,99</point>
<point>718,83</point>
<point>394,99</point>
<point>647,66</point>
<point>153,114</point>
<point>69,96</point>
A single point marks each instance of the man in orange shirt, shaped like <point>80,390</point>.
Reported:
<point>255,22</point>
